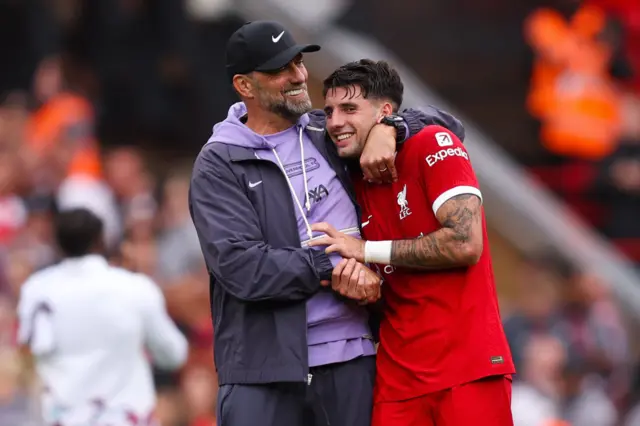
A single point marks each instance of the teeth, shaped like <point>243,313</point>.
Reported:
<point>293,92</point>
<point>344,136</point>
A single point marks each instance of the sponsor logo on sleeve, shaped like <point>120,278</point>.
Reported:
<point>432,159</point>
<point>444,139</point>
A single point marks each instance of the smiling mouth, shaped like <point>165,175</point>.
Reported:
<point>294,92</point>
<point>342,138</point>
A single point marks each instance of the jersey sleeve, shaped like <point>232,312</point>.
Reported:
<point>446,169</point>
<point>168,347</point>
<point>35,322</point>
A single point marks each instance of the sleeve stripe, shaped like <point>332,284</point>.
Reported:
<point>458,190</point>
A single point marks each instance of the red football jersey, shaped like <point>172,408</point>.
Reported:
<point>441,328</point>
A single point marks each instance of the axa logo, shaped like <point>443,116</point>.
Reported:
<point>444,153</point>
<point>318,193</point>
<point>403,203</point>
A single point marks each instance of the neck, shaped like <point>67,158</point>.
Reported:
<point>266,122</point>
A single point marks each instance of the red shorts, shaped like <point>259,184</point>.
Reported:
<point>485,402</point>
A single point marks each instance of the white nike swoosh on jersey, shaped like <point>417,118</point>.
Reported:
<point>254,184</point>
<point>277,39</point>
<point>367,222</point>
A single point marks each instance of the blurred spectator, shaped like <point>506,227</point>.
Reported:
<point>583,400</point>
<point>15,406</point>
<point>535,397</point>
<point>619,184</point>
<point>556,390</point>
<point>132,185</point>
<point>200,389</point>
<point>537,308</point>
<point>592,329</point>
<point>14,401</point>
<point>13,214</point>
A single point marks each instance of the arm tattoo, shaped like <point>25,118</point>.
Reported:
<point>448,247</point>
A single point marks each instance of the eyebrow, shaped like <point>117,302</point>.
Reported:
<point>341,105</point>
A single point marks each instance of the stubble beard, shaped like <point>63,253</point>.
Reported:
<point>284,107</point>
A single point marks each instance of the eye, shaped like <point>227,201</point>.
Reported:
<point>350,109</point>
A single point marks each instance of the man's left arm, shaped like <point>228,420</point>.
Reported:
<point>378,158</point>
<point>451,188</point>
<point>456,201</point>
<point>458,243</point>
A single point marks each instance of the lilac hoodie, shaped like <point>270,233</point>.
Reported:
<point>337,330</point>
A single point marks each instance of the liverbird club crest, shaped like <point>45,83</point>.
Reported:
<point>403,203</point>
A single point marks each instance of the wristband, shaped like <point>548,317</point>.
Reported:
<point>378,252</point>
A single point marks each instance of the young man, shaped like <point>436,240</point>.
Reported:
<point>287,347</point>
<point>443,358</point>
<point>91,329</point>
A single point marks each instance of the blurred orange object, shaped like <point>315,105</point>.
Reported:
<point>556,423</point>
<point>63,127</point>
<point>571,91</point>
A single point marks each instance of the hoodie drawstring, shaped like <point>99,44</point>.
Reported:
<point>304,172</point>
<point>293,192</point>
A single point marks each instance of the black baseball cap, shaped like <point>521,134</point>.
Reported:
<point>262,46</point>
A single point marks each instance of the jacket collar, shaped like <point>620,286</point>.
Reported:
<point>316,134</point>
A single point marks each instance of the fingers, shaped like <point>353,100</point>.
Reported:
<point>372,285</point>
<point>342,283</point>
<point>390,164</point>
<point>381,169</point>
<point>322,241</point>
<point>353,288</point>
<point>337,273</point>
<point>371,169</point>
<point>334,248</point>
<point>326,228</point>
<point>365,171</point>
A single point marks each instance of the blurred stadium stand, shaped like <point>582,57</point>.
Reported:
<point>152,77</point>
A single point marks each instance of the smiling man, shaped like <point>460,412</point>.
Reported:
<point>290,351</point>
<point>443,358</point>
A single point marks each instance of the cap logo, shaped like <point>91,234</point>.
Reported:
<point>277,39</point>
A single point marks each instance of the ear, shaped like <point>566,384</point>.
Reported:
<point>387,109</point>
<point>243,85</point>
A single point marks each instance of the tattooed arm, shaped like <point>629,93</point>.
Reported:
<point>458,243</point>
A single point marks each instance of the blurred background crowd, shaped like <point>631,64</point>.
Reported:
<point>105,103</point>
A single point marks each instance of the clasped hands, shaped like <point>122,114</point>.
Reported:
<point>351,278</point>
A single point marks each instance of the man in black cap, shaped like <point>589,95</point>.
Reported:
<point>290,351</point>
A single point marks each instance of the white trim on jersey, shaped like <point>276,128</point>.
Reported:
<point>448,194</point>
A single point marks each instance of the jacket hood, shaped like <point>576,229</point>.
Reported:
<point>233,131</point>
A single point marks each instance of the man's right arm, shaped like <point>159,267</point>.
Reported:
<point>168,347</point>
<point>233,245</point>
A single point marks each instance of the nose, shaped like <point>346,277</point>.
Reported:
<point>298,75</point>
<point>335,121</point>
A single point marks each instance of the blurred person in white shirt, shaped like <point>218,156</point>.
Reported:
<point>535,397</point>
<point>92,329</point>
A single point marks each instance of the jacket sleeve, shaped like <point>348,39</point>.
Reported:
<point>234,248</point>
<point>415,120</point>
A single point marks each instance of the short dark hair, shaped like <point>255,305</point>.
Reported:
<point>377,80</point>
<point>78,231</point>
